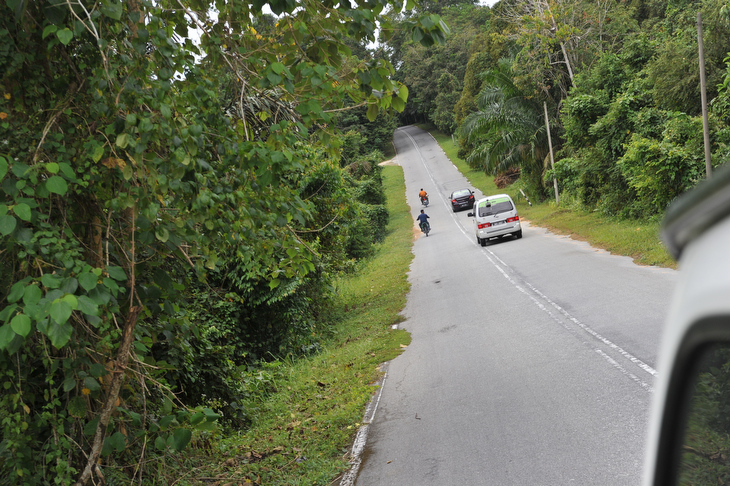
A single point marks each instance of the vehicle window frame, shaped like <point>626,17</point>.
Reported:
<point>705,334</point>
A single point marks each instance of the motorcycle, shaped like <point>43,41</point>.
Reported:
<point>425,227</point>
<point>424,201</point>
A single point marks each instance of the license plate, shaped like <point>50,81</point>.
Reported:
<point>497,223</point>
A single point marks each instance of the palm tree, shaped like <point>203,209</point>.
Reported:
<point>508,129</point>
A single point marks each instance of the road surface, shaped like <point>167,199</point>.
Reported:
<point>532,361</point>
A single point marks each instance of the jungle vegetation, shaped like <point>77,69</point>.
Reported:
<point>182,183</point>
<point>621,83</point>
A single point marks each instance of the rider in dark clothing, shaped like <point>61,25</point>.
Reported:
<point>422,219</point>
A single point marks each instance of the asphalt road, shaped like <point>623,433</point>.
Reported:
<point>532,360</point>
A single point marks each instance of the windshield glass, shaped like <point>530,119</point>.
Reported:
<point>462,193</point>
<point>494,206</point>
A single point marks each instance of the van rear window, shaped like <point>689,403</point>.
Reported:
<point>494,206</point>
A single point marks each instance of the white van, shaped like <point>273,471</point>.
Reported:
<point>495,216</point>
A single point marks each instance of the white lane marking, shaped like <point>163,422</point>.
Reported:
<point>545,309</point>
<point>565,313</point>
<point>487,252</point>
<point>606,341</point>
<point>626,372</point>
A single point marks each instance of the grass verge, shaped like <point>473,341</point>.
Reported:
<point>309,409</point>
<point>638,239</point>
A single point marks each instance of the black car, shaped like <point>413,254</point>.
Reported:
<point>462,199</point>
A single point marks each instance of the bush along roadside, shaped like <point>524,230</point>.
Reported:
<point>637,238</point>
<point>304,412</point>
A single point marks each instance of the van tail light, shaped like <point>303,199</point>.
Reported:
<point>513,219</point>
<point>484,225</point>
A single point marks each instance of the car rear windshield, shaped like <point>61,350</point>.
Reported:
<point>465,192</point>
<point>495,206</point>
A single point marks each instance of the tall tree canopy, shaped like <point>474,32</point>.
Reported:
<point>621,83</point>
<point>145,146</point>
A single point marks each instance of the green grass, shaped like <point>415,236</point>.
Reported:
<point>303,427</point>
<point>634,238</point>
<point>308,411</point>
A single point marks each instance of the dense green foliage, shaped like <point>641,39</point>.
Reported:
<point>305,411</point>
<point>620,81</point>
<point>172,210</point>
<point>435,74</point>
<point>705,445</point>
<point>182,182</point>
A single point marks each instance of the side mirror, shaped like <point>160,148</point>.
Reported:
<point>471,215</point>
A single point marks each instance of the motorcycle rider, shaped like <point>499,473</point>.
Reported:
<point>423,220</point>
<point>423,195</point>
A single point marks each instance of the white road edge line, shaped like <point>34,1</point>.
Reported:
<point>358,446</point>
<point>487,252</point>
<point>362,436</point>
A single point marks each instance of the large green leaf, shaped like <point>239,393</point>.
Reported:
<point>118,441</point>
<point>21,324</point>
<point>60,311</point>
<point>162,234</point>
<point>398,104</point>
<point>91,383</point>
<point>112,9</point>
<point>57,185</point>
<point>59,333</point>
<point>6,336</point>
<point>372,112</point>
<point>87,306</point>
<point>69,384</point>
<point>117,273</point>
<point>90,427</point>
<point>7,312</point>
<point>72,301</point>
<point>97,153</point>
<point>65,36</point>
<point>88,280</point>
<point>18,290</point>
<point>160,443</point>
<point>32,295</point>
<point>22,210</point>
<point>180,439</point>
<point>122,140</point>
<point>51,280</point>
<point>7,224</point>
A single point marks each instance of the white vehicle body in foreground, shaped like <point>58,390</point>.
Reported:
<point>495,216</point>
<point>690,428</point>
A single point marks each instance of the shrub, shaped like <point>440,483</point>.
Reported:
<point>660,170</point>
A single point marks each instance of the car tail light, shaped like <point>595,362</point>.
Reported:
<point>513,219</point>
<point>484,225</point>
<point>454,201</point>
